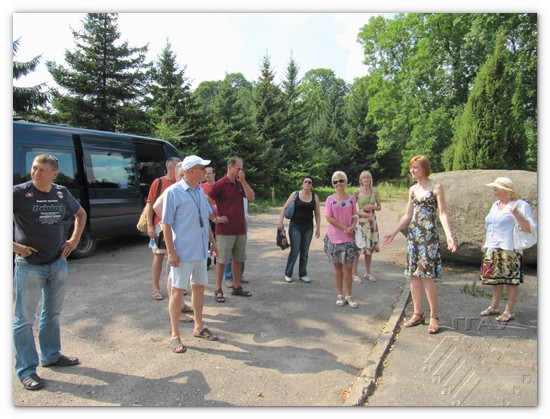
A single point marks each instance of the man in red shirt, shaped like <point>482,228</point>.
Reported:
<point>228,193</point>
<point>153,221</point>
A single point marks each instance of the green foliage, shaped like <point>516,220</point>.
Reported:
<point>460,88</point>
<point>26,100</point>
<point>487,134</point>
<point>475,291</point>
<point>103,81</point>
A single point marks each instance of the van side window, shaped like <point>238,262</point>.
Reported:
<point>67,166</point>
<point>110,170</point>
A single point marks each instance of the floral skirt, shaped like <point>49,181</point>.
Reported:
<point>370,228</point>
<point>501,266</point>
<point>343,253</point>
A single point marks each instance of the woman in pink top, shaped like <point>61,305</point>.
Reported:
<point>341,214</point>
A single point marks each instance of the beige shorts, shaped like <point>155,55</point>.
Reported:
<point>194,272</point>
<point>231,246</point>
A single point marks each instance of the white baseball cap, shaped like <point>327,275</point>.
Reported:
<point>190,161</point>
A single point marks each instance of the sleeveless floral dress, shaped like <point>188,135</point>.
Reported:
<point>423,250</point>
<point>369,225</point>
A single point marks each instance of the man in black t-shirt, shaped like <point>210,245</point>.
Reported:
<point>39,207</point>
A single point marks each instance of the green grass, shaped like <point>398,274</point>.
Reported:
<point>475,291</point>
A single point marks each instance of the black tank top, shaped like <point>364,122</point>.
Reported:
<point>303,212</point>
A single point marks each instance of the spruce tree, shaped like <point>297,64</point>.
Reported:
<point>26,100</point>
<point>103,83</point>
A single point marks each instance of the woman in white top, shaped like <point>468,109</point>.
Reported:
<point>502,264</point>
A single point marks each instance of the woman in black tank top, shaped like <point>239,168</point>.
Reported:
<point>300,230</point>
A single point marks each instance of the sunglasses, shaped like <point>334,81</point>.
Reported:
<point>336,182</point>
<point>308,181</point>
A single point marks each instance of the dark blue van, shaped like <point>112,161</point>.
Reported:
<point>108,173</point>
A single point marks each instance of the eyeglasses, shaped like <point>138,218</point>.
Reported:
<point>336,182</point>
<point>308,181</point>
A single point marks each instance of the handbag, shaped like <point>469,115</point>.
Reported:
<point>142,222</point>
<point>289,212</point>
<point>523,240</point>
<point>282,241</point>
<point>360,238</point>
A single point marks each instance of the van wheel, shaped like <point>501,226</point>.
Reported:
<point>86,246</point>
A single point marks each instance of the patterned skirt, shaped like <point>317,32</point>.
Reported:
<point>343,253</point>
<point>501,266</point>
<point>370,228</point>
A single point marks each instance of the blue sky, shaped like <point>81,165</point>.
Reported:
<point>211,44</point>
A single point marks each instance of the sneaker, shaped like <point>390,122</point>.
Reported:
<point>229,284</point>
<point>288,279</point>
<point>244,280</point>
<point>305,279</point>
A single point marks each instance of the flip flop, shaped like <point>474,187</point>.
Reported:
<point>206,334</point>
<point>175,343</point>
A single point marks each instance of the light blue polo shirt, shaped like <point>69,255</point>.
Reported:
<point>181,212</point>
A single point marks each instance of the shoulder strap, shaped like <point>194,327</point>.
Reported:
<point>159,186</point>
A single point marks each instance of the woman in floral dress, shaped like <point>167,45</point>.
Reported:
<point>426,199</point>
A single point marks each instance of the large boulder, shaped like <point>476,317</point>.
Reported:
<point>468,201</point>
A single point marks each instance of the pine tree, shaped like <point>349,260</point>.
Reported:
<point>103,84</point>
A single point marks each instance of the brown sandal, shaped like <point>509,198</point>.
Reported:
<point>186,309</point>
<point>421,320</point>
<point>432,330</point>
<point>218,295</point>
<point>241,292</point>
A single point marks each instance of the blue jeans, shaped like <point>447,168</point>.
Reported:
<point>32,282</point>
<point>300,239</point>
<point>228,273</point>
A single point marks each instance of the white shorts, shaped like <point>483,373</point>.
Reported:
<point>194,272</point>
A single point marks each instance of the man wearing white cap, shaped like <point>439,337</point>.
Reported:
<point>187,232</point>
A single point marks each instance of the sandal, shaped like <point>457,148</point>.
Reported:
<point>340,300</point>
<point>207,334</point>
<point>186,309</point>
<point>184,318</point>
<point>420,320</point>
<point>239,291</point>
<point>218,295</point>
<point>157,295</point>
<point>357,279</point>
<point>489,311</point>
<point>432,330</point>
<point>176,346</point>
<point>505,317</point>
<point>370,277</point>
<point>350,301</point>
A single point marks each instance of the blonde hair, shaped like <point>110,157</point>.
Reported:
<point>424,163</point>
<point>341,174</point>
<point>366,173</point>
